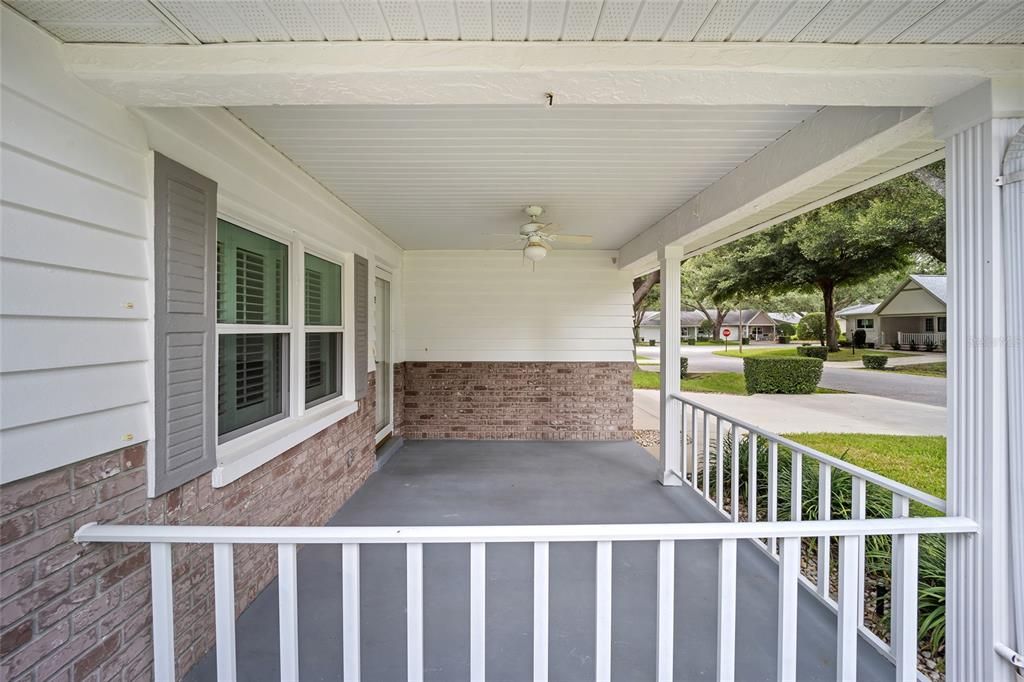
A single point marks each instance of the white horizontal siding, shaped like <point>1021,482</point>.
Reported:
<point>490,306</point>
<point>74,269</point>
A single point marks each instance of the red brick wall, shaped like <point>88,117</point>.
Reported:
<point>518,400</point>
<point>83,613</point>
<point>399,399</point>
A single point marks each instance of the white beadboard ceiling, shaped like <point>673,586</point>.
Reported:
<point>803,21</point>
<point>444,177</point>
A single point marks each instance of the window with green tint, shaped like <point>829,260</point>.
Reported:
<point>251,381</point>
<point>252,277</point>
<point>323,292</point>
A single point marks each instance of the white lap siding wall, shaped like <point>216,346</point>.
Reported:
<point>497,349</point>
<point>76,373</point>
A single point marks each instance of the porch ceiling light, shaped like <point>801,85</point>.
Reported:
<point>535,252</point>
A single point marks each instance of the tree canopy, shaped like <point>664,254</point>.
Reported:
<point>843,244</point>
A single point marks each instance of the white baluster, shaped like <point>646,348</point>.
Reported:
<point>683,457</point>
<point>824,542</point>
<point>288,611</point>
<point>846,652</point>
<point>752,481</point>
<point>727,609</point>
<point>666,608</point>
<point>900,509</point>
<point>540,611</point>
<point>773,489</point>
<point>789,591</point>
<point>414,611</point>
<point>477,610</point>
<point>719,497</point>
<point>735,492</point>
<point>859,511</point>
<point>693,445</point>
<point>350,624</point>
<point>603,617</point>
<point>224,607</point>
<point>905,610</point>
<point>796,490</point>
<point>163,611</point>
<point>707,459</point>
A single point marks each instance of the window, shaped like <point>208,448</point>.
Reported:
<point>865,323</point>
<point>323,320</point>
<point>252,339</point>
<point>255,331</point>
<point>929,324</point>
<point>942,324</point>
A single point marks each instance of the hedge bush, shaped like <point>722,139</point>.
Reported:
<point>783,338</point>
<point>819,352</point>
<point>874,361</point>
<point>781,375</point>
<point>691,342</point>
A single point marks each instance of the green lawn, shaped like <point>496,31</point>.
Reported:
<point>917,461</point>
<point>930,369</point>
<point>732,383</point>
<point>842,355</point>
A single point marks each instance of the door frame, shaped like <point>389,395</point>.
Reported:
<point>381,272</point>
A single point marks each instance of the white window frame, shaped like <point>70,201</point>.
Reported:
<point>249,451</point>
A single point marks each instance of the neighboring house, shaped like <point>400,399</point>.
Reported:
<point>915,311</point>
<point>754,324</point>
<point>689,325</point>
<point>757,325</point>
<point>860,317</point>
<point>786,318</point>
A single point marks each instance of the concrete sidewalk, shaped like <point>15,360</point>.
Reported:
<point>817,413</point>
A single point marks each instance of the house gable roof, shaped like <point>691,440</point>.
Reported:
<point>934,285</point>
<point>864,309</point>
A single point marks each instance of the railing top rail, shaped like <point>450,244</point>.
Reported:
<point>93,532</point>
<point>836,463</point>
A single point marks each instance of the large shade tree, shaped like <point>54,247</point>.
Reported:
<point>843,244</point>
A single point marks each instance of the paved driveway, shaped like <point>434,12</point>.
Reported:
<point>818,413</point>
<point>904,387</point>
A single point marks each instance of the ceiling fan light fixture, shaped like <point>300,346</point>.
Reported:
<point>534,252</point>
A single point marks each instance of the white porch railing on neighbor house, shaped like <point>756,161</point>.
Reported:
<point>712,444</point>
<point>921,338</point>
<point>851,534</point>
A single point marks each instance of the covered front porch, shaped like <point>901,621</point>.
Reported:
<point>460,483</point>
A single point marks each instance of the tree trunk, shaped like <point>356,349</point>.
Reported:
<point>828,290</point>
<point>933,182</point>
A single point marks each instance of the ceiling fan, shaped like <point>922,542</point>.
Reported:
<point>539,236</point>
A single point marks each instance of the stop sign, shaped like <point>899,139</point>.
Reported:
<point>726,333</point>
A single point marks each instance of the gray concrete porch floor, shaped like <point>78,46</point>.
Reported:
<point>517,482</point>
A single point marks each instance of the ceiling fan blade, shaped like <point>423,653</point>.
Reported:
<point>551,228</point>
<point>572,238</point>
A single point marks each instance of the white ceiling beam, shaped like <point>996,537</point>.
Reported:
<point>822,147</point>
<point>516,73</point>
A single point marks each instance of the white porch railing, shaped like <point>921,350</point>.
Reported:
<point>921,338</point>
<point>707,466</point>
<point>851,535</point>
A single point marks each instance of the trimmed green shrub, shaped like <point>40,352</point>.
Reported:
<point>783,339</point>
<point>859,337</point>
<point>691,342</point>
<point>781,375</point>
<point>819,352</point>
<point>786,329</point>
<point>684,366</point>
<point>896,345</point>
<point>874,361</point>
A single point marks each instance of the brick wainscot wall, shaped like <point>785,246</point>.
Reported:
<point>72,612</point>
<point>518,400</point>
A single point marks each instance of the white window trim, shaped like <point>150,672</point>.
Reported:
<point>248,452</point>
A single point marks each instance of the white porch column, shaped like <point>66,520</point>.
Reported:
<point>671,421</point>
<point>977,131</point>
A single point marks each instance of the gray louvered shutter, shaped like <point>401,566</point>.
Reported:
<point>185,440</point>
<point>362,303</point>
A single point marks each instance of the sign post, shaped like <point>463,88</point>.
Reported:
<point>726,333</point>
